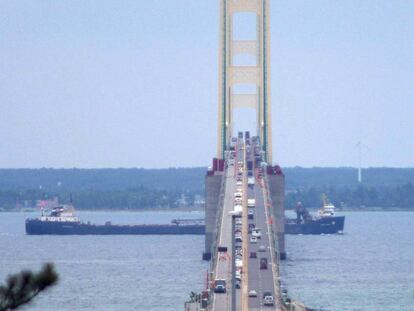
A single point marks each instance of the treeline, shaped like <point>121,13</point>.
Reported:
<point>48,179</point>
<point>138,198</point>
<point>361,196</point>
<point>147,188</point>
<point>299,177</point>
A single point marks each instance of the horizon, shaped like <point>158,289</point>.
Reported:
<point>197,167</point>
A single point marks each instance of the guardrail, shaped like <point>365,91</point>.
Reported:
<point>274,243</point>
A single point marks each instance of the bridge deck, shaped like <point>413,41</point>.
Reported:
<point>260,280</point>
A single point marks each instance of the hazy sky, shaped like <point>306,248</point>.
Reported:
<point>134,83</point>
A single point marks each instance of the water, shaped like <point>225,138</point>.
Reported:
<point>370,267</point>
<point>108,272</point>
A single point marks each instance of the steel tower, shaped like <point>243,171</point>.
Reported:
<point>231,75</point>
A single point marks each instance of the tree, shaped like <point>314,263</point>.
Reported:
<point>21,288</point>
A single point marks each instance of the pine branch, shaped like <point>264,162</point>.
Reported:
<point>21,288</point>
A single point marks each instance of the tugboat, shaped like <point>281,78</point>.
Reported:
<point>62,221</point>
<point>325,222</point>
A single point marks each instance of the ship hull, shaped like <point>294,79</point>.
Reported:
<point>327,225</point>
<point>37,227</point>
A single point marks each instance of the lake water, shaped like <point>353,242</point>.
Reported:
<point>370,267</point>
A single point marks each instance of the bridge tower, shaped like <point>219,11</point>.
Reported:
<point>257,75</point>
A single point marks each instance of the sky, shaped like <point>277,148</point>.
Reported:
<point>110,83</point>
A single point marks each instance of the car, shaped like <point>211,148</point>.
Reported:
<point>220,286</point>
<point>262,248</point>
<point>252,293</point>
<point>268,299</point>
<point>238,263</point>
<point>253,255</point>
<point>253,240</point>
<point>238,194</point>
<point>237,275</point>
<point>238,284</point>
<point>239,221</point>
<point>251,203</point>
<point>222,249</point>
<point>250,214</point>
<point>239,183</point>
<point>257,233</point>
<point>263,263</point>
<point>251,227</point>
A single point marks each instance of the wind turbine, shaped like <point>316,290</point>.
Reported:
<point>360,145</point>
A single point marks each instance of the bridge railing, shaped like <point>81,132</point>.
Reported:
<point>274,241</point>
<point>216,241</point>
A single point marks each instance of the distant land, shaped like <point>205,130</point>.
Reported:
<point>130,188</point>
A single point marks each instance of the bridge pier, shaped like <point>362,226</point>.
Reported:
<point>213,182</point>
<point>276,181</point>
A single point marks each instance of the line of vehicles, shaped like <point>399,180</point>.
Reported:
<point>254,233</point>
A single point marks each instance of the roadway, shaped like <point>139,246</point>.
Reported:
<point>223,269</point>
<point>253,278</point>
<point>260,280</point>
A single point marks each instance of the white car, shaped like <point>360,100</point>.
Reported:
<point>252,293</point>
<point>268,300</point>
<point>251,202</point>
<point>238,201</point>
<point>239,183</point>
<point>257,233</point>
<point>238,263</point>
<point>238,194</point>
<point>238,275</point>
<point>253,240</point>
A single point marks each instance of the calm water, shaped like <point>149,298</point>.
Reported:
<point>108,272</point>
<point>370,267</point>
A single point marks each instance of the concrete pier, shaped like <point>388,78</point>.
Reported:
<point>213,184</point>
<point>276,181</point>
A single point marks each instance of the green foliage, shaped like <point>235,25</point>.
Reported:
<point>358,196</point>
<point>151,188</point>
<point>21,288</point>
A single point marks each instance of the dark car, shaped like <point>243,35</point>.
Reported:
<point>263,263</point>
<point>253,255</point>
<point>238,284</point>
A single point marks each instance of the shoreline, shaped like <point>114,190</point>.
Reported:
<point>193,209</point>
<point>365,209</point>
<point>157,209</point>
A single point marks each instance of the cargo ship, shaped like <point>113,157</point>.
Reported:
<point>62,221</point>
<point>325,222</point>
